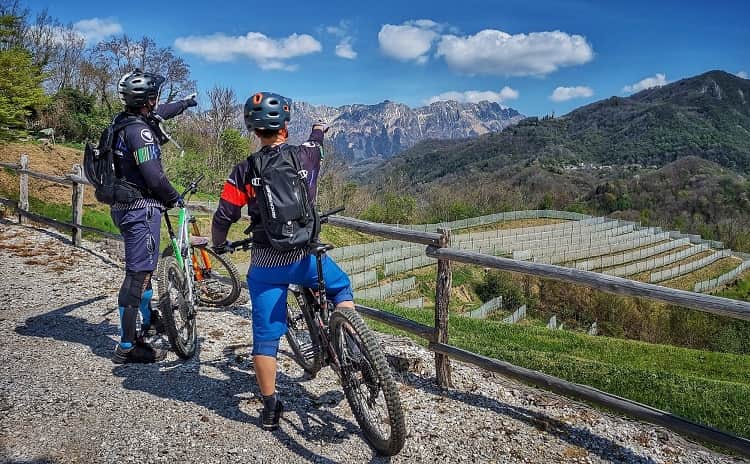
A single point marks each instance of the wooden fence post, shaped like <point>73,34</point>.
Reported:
<point>77,206</point>
<point>23,190</point>
<point>442,300</point>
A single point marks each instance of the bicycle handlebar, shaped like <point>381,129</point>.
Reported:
<point>192,187</point>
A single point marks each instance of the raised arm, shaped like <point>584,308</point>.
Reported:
<point>170,110</point>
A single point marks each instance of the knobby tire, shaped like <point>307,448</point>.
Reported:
<point>172,290</point>
<point>347,329</point>
<point>224,273</point>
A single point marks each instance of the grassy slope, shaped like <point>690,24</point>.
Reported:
<point>707,387</point>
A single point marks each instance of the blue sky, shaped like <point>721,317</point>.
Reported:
<point>535,56</point>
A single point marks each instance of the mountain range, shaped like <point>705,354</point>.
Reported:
<point>363,132</point>
<point>707,116</point>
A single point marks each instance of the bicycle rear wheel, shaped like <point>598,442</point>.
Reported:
<point>175,307</point>
<point>368,382</point>
<point>218,283</point>
<point>302,333</point>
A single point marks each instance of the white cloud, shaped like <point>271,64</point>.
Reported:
<point>741,74</point>
<point>475,96</point>
<point>410,41</point>
<point>655,81</point>
<point>267,52</point>
<point>344,50</point>
<point>562,94</point>
<point>96,29</point>
<point>497,52</point>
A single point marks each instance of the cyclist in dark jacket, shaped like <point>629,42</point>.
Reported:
<point>138,161</point>
<point>271,271</point>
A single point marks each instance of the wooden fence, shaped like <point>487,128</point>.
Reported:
<point>75,179</point>
<point>437,336</point>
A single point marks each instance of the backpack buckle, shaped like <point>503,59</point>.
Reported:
<point>302,174</point>
<point>255,181</point>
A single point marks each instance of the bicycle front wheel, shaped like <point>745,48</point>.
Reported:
<point>368,382</point>
<point>175,307</point>
<point>217,280</point>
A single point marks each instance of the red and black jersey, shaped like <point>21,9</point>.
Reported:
<point>238,192</point>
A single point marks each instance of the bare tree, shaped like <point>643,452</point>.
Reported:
<point>223,113</point>
<point>65,64</point>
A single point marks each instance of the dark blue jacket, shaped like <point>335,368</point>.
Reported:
<point>138,155</point>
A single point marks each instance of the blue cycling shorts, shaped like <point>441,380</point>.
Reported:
<point>268,292</point>
<point>140,229</point>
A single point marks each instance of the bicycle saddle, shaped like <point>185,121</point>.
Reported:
<point>198,241</point>
<point>319,248</point>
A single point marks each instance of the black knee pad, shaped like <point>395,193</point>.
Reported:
<point>132,288</point>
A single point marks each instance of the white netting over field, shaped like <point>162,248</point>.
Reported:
<point>387,290</point>
<point>612,246</point>
<point>486,309</point>
<point>725,278</point>
<point>653,263</point>
<point>687,268</point>
<point>637,255</point>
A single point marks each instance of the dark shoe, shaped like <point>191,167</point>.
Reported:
<point>156,325</point>
<point>270,417</point>
<point>141,353</point>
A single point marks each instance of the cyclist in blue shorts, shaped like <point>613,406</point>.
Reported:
<point>271,271</point>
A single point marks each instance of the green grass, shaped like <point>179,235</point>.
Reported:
<point>707,387</point>
<point>740,290</point>
<point>92,217</point>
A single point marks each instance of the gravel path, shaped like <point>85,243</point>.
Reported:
<point>63,400</point>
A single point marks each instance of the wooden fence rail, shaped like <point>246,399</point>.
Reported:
<point>75,179</point>
<point>437,336</point>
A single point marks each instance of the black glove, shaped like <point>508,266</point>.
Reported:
<point>190,100</point>
<point>221,248</point>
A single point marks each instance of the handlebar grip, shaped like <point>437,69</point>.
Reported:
<point>331,212</point>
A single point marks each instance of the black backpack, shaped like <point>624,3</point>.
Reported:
<point>280,184</point>
<point>99,167</point>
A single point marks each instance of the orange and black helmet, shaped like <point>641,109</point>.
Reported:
<point>266,110</point>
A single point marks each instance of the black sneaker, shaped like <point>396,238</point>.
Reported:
<point>270,417</point>
<point>141,352</point>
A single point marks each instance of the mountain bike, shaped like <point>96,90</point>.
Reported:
<point>190,273</point>
<point>321,335</point>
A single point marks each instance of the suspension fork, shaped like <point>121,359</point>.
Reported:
<point>173,240</point>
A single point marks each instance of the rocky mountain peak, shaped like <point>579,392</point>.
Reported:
<point>360,131</point>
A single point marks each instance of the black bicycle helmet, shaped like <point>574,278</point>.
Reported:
<point>137,87</point>
<point>266,110</point>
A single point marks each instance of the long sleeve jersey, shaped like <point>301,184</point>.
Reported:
<point>238,192</point>
<point>138,158</point>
